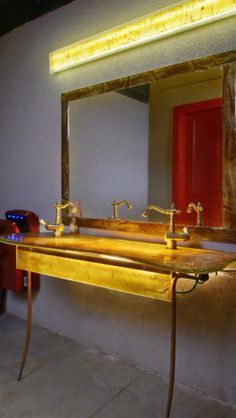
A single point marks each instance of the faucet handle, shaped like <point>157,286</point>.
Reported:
<point>59,205</point>
<point>174,210</point>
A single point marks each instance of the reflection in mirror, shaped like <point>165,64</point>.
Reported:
<point>109,154</point>
<point>122,130</point>
<point>128,139</point>
<point>185,144</point>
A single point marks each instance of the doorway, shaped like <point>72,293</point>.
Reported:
<point>197,160</point>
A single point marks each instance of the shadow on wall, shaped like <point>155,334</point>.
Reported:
<point>210,308</point>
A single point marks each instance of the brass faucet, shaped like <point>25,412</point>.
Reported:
<point>58,227</point>
<point>171,237</point>
<point>198,208</point>
<point>116,204</point>
<point>172,212</point>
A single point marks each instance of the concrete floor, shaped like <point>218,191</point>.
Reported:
<point>63,379</point>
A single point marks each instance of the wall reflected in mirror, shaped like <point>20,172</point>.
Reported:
<point>109,154</point>
<point>121,144</point>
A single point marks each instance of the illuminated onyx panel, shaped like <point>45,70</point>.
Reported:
<point>165,22</point>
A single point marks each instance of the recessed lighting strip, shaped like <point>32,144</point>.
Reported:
<point>162,23</point>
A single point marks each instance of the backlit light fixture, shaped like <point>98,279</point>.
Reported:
<point>162,23</point>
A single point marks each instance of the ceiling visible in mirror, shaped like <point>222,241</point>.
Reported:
<point>140,93</point>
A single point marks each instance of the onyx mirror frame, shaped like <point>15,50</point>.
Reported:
<point>226,61</point>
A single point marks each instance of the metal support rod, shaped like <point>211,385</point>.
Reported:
<point>28,323</point>
<point>172,345</point>
<point>175,278</point>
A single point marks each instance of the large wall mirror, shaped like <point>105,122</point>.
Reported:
<point>128,139</point>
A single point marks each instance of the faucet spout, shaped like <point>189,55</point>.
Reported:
<point>198,208</point>
<point>171,237</point>
<point>172,212</point>
<point>116,204</point>
<point>58,227</point>
<point>59,206</point>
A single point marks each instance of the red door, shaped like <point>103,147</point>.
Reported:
<point>197,160</point>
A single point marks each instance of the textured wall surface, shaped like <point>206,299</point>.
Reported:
<point>126,326</point>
